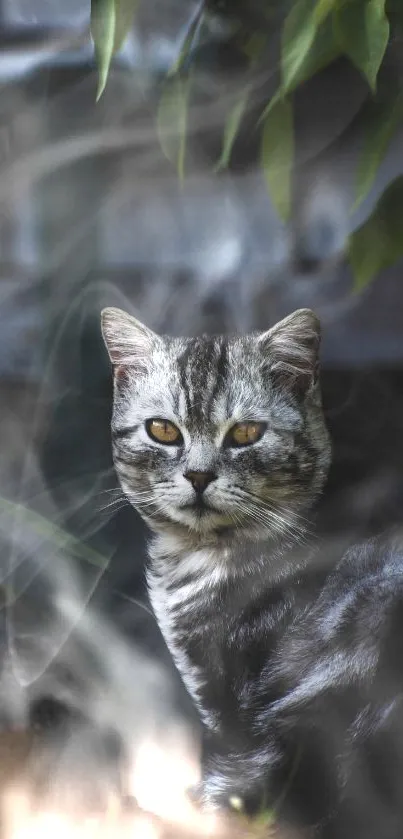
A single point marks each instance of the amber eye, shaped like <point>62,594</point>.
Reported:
<point>164,431</point>
<point>244,434</point>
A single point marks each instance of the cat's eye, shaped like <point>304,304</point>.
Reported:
<point>244,434</point>
<point>164,431</point>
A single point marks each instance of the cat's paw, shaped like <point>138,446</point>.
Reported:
<point>220,792</point>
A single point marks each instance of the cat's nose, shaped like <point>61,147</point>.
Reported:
<point>200,480</point>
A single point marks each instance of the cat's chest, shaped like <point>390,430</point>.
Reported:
<point>184,591</point>
<point>185,605</point>
<point>180,606</point>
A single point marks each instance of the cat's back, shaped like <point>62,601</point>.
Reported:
<point>338,677</point>
<point>363,594</point>
<point>351,634</point>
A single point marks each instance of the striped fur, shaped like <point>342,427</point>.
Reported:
<point>208,571</point>
<point>292,655</point>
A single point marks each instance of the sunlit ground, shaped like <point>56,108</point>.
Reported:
<point>57,809</point>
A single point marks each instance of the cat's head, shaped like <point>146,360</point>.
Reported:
<point>218,433</point>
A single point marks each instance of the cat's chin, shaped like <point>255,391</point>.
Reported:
<point>202,519</point>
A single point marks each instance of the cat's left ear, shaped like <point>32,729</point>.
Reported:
<point>129,342</point>
<point>291,349</point>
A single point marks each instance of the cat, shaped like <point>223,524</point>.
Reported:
<point>290,649</point>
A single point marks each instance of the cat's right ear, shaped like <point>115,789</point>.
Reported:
<point>129,342</point>
<point>291,349</point>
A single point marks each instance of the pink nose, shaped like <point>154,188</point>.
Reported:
<point>200,480</point>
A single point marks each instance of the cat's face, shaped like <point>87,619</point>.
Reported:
<point>216,433</point>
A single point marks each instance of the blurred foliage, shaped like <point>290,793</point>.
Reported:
<point>111,21</point>
<point>382,121</point>
<point>378,243</point>
<point>312,35</point>
<point>172,121</point>
<point>278,154</point>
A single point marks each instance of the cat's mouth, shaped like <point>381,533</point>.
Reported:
<point>200,506</point>
<point>200,515</point>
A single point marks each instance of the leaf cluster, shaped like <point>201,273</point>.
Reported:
<point>314,33</point>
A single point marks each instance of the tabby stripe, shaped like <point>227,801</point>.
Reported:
<point>221,373</point>
<point>183,362</point>
<point>127,461</point>
<point>121,433</point>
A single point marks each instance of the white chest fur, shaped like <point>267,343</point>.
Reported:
<point>180,588</point>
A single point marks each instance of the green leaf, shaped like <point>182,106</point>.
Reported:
<point>308,43</point>
<point>270,105</point>
<point>103,22</point>
<point>172,121</point>
<point>380,130</point>
<point>110,23</point>
<point>378,243</point>
<point>125,12</point>
<point>278,155</point>
<point>188,42</point>
<point>297,38</point>
<point>232,124</point>
<point>362,31</point>
<point>323,9</point>
<point>323,52</point>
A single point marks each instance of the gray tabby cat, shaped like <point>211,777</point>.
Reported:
<point>221,445</point>
<point>292,652</point>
